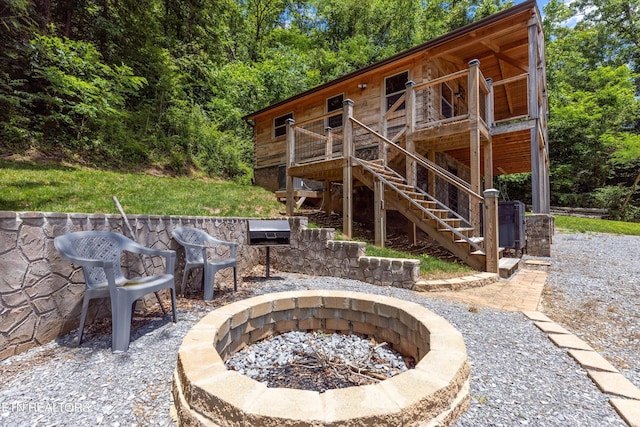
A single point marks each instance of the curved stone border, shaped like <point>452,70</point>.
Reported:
<point>436,392</point>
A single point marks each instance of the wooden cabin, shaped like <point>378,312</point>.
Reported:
<point>426,131</point>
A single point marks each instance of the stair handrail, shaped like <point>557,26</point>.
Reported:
<point>422,161</point>
<point>414,203</point>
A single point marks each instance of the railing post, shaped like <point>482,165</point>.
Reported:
<point>380,216</point>
<point>326,195</point>
<point>290,156</point>
<point>411,167</point>
<point>474,141</point>
<point>489,107</point>
<point>329,147</point>
<point>347,173</point>
<point>491,238</point>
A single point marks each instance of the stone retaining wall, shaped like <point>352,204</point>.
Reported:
<point>41,292</point>
<point>539,230</point>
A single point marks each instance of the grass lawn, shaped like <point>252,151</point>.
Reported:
<point>26,186</point>
<point>591,225</point>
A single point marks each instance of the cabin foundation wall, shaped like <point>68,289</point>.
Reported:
<point>267,178</point>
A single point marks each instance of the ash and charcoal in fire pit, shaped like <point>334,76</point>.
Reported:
<point>317,361</point>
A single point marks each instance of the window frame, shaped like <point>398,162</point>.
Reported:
<point>337,116</point>
<point>446,102</point>
<point>397,94</point>
<point>277,127</point>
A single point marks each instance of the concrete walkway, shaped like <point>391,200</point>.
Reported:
<point>522,292</point>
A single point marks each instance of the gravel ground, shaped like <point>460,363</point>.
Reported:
<point>518,376</point>
<point>593,289</point>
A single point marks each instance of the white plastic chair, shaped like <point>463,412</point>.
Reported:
<point>99,253</point>
<point>196,242</point>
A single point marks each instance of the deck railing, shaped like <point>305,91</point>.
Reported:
<point>315,141</point>
<point>438,102</point>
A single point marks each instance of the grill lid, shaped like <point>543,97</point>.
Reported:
<point>268,232</point>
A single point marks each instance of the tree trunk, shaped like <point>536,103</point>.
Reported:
<point>45,13</point>
<point>68,14</point>
<point>628,198</point>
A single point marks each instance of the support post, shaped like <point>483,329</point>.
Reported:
<point>534,114</point>
<point>431,177</point>
<point>289,154</point>
<point>326,198</point>
<point>474,141</point>
<point>380,215</point>
<point>411,166</point>
<point>347,173</point>
<point>491,238</point>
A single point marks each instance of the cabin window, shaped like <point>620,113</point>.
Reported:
<point>335,104</point>
<point>446,95</point>
<point>280,125</point>
<point>394,88</point>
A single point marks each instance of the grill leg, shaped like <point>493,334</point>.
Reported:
<point>268,260</point>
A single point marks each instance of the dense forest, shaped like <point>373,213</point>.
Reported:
<point>134,84</point>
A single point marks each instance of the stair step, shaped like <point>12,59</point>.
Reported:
<point>454,222</point>
<point>477,240</point>
<point>428,204</point>
<point>394,179</point>
<point>461,230</point>
<point>440,213</point>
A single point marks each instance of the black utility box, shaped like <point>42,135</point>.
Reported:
<point>511,225</point>
<point>268,232</point>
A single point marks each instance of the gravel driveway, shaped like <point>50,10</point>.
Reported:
<point>518,376</point>
<point>593,289</point>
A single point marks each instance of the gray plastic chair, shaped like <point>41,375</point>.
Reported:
<point>99,253</point>
<point>196,242</point>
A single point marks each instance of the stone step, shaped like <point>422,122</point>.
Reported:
<point>508,267</point>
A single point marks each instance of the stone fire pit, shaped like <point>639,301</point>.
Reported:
<point>436,392</point>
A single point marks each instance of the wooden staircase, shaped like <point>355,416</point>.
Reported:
<point>427,213</point>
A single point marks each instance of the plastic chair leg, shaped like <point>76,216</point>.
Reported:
<point>173,304</point>
<point>83,317</point>
<point>121,314</point>
<point>209,282</point>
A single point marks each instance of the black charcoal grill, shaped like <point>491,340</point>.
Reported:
<point>267,233</point>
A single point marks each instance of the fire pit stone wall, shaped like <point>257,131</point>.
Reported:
<point>436,392</point>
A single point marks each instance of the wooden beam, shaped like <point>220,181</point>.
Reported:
<point>380,222</point>
<point>431,176</point>
<point>290,155</point>
<point>491,238</point>
<point>513,127</point>
<point>347,172</point>
<point>411,167</point>
<point>474,141</point>
<point>326,198</point>
<point>536,179</point>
